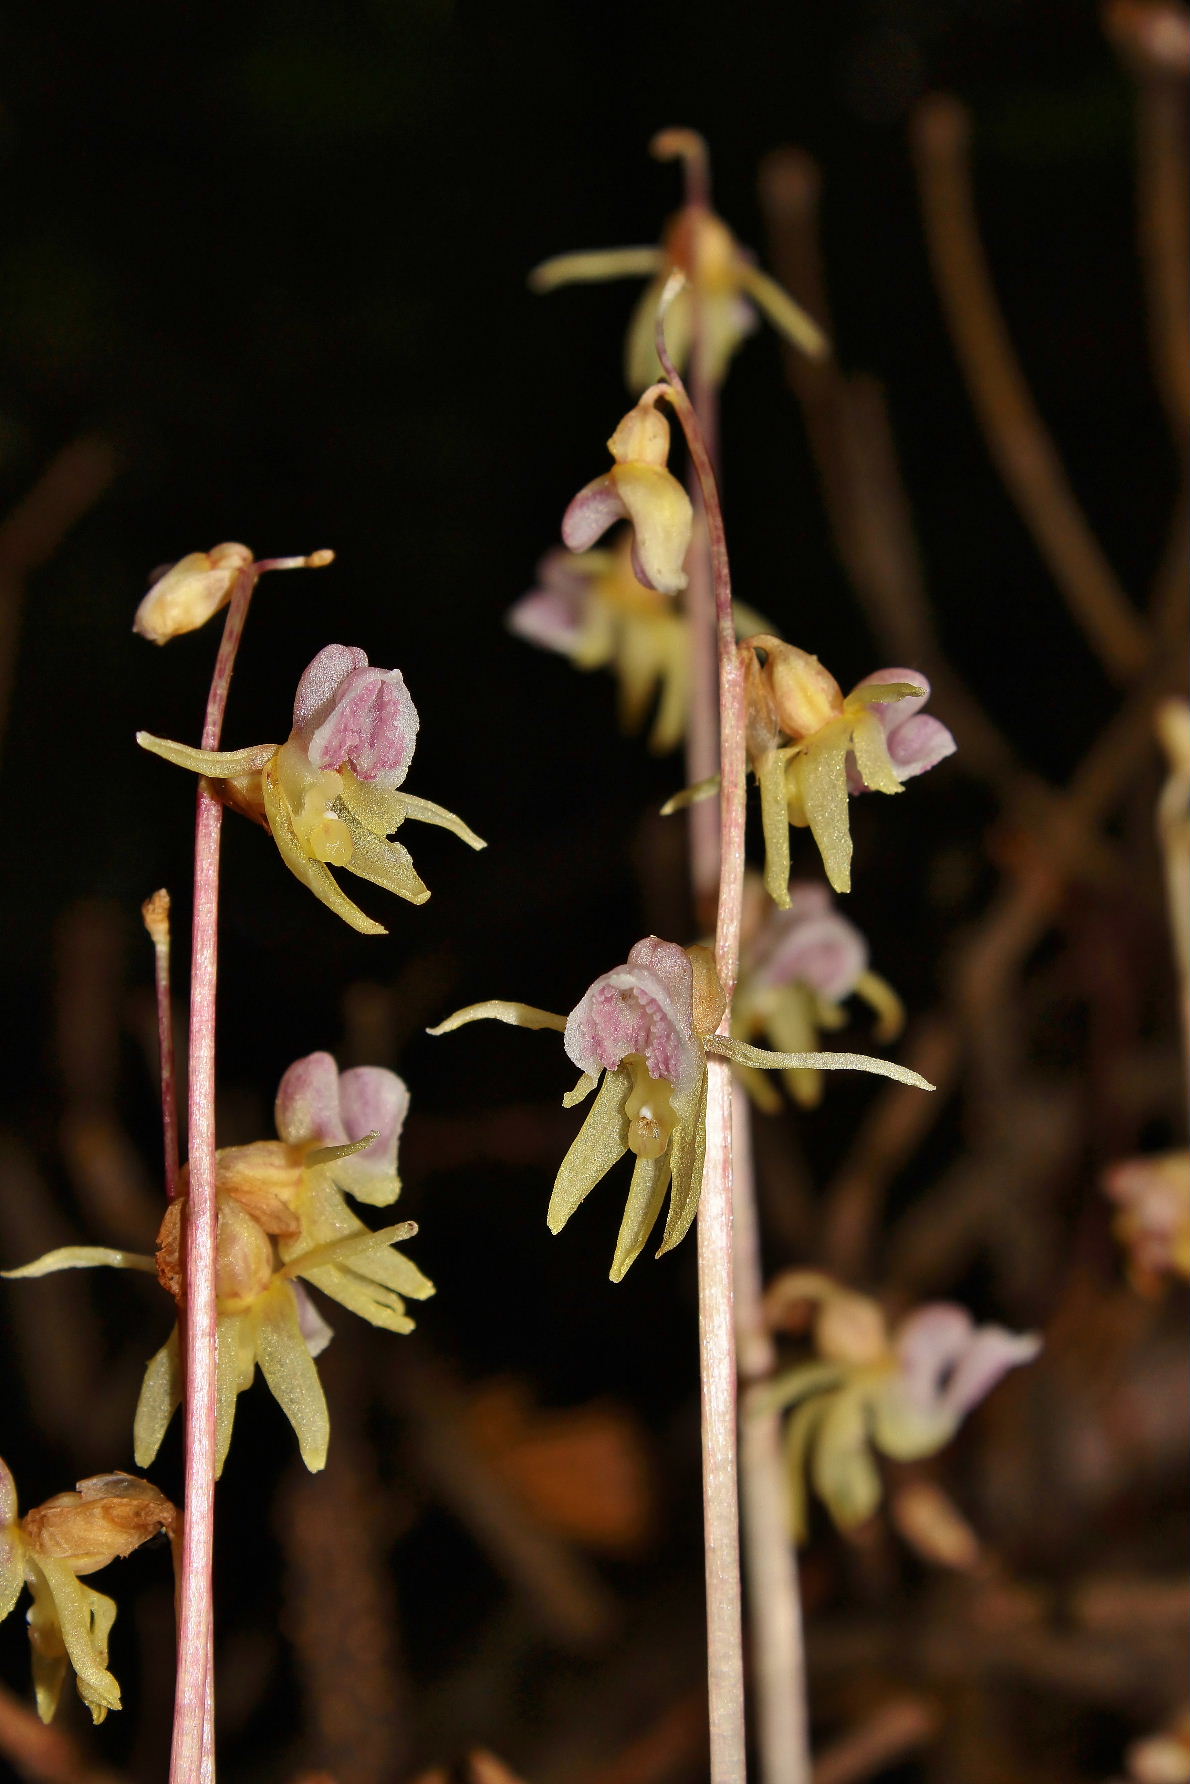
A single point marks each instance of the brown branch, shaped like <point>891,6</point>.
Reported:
<point>895,1730</point>
<point>1017,437</point>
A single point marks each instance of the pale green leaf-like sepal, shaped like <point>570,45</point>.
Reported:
<point>744,1053</point>
<point>581,1091</point>
<point>84,1619</point>
<point>843,1471</point>
<point>160,1397</point>
<point>424,811</point>
<point>774,818</point>
<point>83,1257</point>
<point>600,1143</point>
<point>215,764</point>
<point>313,874</point>
<point>288,1368</point>
<point>687,1153</point>
<point>500,1010</point>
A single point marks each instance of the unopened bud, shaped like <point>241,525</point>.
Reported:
<point>806,695</point>
<point>641,438</point>
<point>186,596</point>
<point>709,999</point>
<point>850,1329</point>
<point>109,1516</point>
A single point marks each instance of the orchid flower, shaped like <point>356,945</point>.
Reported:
<point>1152,1196</point>
<point>809,748</point>
<point>282,1216</point>
<point>641,488</point>
<point>642,1034</point>
<point>723,286</point>
<point>108,1516</point>
<point>902,1395</point>
<point>797,965</point>
<point>331,795</point>
<point>593,608</point>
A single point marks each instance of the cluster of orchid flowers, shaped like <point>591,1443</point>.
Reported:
<point>332,797</point>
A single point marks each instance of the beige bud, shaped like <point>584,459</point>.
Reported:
<point>806,695</point>
<point>709,999</point>
<point>641,438</point>
<point>186,596</point>
<point>109,1516</point>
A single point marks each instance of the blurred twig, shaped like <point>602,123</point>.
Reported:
<point>44,1755</point>
<point>1017,437</point>
<point>890,1734</point>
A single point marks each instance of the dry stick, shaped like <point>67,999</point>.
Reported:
<point>725,1663</point>
<point>155,911</point>
<point>1016,435</point>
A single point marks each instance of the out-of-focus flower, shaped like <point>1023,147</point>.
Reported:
<point>1162,1758</point>
<point>593,608</point>
<point>640,488</point>
<point>1153,1222</point>
<point>185,595</point>
<point>797,965</point>
<point>106,1517</point>
<point>642,1034</point>
<point>723,284</point>
<point>809,748</point>
<point>903,1395</point>
<point>332,794</point>
<point>282,1216</point>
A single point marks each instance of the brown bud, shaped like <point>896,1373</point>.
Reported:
<point>641,438</point>
<point>186,595</point>
<point>109,1516</point>
<point>709,999</point>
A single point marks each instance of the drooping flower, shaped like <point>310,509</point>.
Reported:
<point>809,748</point>
<point>723,284</point>
<point>642,1034</point>
<point>1153,1223</point>
<point>641,488</point>
<point>332,794</point>
<point>593,608</point>
<point>797,965</point>
<point>903,1395</point>
<point>106,1517</point>
<point>282,1217</point>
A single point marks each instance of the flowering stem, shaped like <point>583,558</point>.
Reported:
<point>155,911</point>
<point>192,1759</point>
<point>725,1665</point>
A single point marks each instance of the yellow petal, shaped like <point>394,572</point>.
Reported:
<point>844,1474</point>
<point>12,1569</point>
<point>871,754</point>
<point>289,1370</point>
<point>235,1351</point>
<point>600,1143</point>
<point>641,365</point>
<point>786,316</point>
<point>593,266</point>
<point>819,772</point>
<point>379,809</point>
<point>387,864</point>
<point>424,811</point>
<point>160,1397</point>
<point>311,873</point>
<point>650,1180</point>
<point>791,1030</point>
<point>688,1152</point>
<point>879,995</point>
<point>774,817</point>
<point>581,1091</point>
<point>662,520</point>
<point>217,764</point>
<point>372,1301</point>
<point>800,1433</point>
<point>84,1618</point>
<point>743,1053</point>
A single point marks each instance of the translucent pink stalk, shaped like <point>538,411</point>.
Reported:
<point>155,912</point>
<point>192,1757</point>
<point>725,1661</point>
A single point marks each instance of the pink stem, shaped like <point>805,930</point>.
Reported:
<point>192,1759</point>
<point>155,912</point>
<point>725,1660</point>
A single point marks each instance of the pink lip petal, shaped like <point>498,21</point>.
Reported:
<point>550,617</point>
<point>644,1007</point>
<point>307,1106</point>
<point>370,727</point>
<point>372,1098</point>
<point>991,1352</point>
<point>592,511</point>
<point>918,744</point>
<point>816,947</point>
<point>321,680</point>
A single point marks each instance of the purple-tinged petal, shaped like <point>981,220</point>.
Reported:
<point>372,1099</point>
<point>991,1353</point>
<point>592,511</point>
<point>314,1329</point>
<point>919,744</point>
<point>809,944</point>
<point>370,727</point>
<point>307,1108</point>
<point>640,1008</point>
<point>552,618</point>
<point>321,682</point>
<point>929,1345</point>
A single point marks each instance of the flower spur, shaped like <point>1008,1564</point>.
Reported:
<point>331,795</point>
<point>282,1216</point>
<point>723,283</point>
<point>106,1517</point>
<point>641,1036</point>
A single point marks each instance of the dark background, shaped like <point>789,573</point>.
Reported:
<point>276,256</point>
